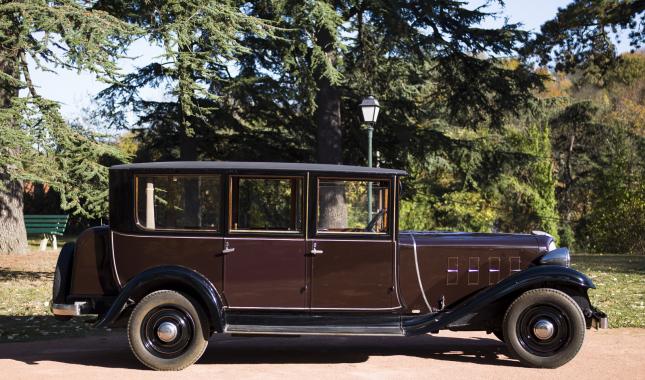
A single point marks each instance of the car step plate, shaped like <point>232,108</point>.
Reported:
<point>314,330</point>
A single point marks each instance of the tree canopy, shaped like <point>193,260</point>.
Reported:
<point>36,144</point>
<point>579,37</point>
<point>500,130</point>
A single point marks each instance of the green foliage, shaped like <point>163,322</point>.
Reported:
<point>37,145</point>
<point>466,211</point>
<point>616,223</point>
<point>201,40</point>
<point>70,159</point>
<point>530,192</point>
<point>485,181</point>
<point>597,141</point>
<point>578,38</point>
<point>84,159</point>
<point>490,143</point>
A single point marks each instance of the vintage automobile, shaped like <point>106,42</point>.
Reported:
<point>198,248</point>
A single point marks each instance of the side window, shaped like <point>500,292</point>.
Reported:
<point>266,204</point>
<point>183,202</point>
<point>353,206</point>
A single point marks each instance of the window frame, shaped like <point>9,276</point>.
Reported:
<point>254,233</point>
<point>339,235</point>
<point>209,231</point>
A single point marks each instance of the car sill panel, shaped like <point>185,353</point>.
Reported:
<point>314,330</point>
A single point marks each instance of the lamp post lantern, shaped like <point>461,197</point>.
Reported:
<point>370,109</point>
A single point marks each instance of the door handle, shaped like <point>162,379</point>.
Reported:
<point>227,248</point>
<point>315,251</point>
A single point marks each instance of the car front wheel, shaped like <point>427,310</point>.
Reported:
<point>544,328</point>
<point>165,331</point>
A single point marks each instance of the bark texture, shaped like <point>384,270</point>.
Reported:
<point>13,236</point>
<point>329,132</point>
<point>329,136</point>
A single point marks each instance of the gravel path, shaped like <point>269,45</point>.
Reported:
<point>606,354</point>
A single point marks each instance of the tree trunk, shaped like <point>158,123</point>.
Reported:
<point>329,135</point>
<point>188,144</point>
<point>13,236</point>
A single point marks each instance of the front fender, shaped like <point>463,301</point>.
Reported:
<point>173,278</point>
<point>531,278</point>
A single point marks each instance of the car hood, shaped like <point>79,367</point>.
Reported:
<point>534,241</point>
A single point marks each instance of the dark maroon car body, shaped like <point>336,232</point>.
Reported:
<point>306,281</point>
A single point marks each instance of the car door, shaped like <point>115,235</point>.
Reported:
<point>264,250</point>
<point>352,261</point>
<point>178,221</point>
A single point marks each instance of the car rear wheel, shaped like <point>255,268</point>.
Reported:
<point>165,331</point>
<point>62,277</point>
<point>544,328</point>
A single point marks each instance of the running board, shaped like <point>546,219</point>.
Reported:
<point>313,330</point>
<point>307,323</point>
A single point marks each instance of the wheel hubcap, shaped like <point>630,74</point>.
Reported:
<point>543,329</point>
<point>167,331</point>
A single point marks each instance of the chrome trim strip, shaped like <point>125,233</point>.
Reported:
<point>311,308</point>
<point>312,330</point>
<point>416,264</point>
<point>397,253</point>
<point>168,236</point>
<point>116,273</point>
<point>326,238</point>
<point>396,274</point>
<point>305,212</point>
<point>362,233</point>
<point>262,238</point>
<point>267,232</point>
<point>207,237</point>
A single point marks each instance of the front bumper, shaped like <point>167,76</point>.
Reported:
<point>69,310</point>
<point>599,319</point>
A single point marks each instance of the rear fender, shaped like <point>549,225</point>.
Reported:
<point>169,278</point>
<point>461,314</point>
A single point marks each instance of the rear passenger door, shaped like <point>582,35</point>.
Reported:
<point>178,222</point>
<point>264,248</point>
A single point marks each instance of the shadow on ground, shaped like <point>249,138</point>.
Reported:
<point>112,351</point>
<point>7,274</point>
<point>14,328</point>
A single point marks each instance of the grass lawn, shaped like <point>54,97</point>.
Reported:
<point>26,281</point>
<point>25,291</point>
<point>620,286</point>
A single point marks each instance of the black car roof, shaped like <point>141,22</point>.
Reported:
<point>255,166</point>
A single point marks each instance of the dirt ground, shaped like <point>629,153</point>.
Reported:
<point>606,354</point>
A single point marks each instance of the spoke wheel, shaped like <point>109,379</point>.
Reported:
<point>544,328</point>
<point>166,332</point>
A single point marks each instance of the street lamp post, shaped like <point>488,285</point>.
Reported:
<point>370,108</point>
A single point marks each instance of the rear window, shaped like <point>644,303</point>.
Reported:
<point>184,202</point>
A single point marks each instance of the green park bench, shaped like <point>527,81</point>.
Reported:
<point>48,225</point>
